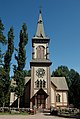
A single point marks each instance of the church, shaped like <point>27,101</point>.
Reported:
<point>42,90</point>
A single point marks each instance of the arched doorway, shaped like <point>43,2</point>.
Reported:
<point>39,99</point>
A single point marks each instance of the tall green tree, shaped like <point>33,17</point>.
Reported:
<point>2,37</point>
<point>1,57</point>
<point>21,60</point>
<point>62,71</point>
<point>7,60</point>
<point>2,73</point>
<point>3,41</point>
<point>9,52</point>
<point>74,89</point>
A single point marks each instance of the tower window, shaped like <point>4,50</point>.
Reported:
<point>44,83</point>
<point>37,84</point>
<point>40,84</point>
<point>40,52</point>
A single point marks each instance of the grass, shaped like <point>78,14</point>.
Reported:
<point>4,113</point>
<point>8,113</point>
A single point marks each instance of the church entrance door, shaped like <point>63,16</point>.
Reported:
<point>41,101</point>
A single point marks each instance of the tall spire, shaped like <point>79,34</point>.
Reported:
<point>40,27</point>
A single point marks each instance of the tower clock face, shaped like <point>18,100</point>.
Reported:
<point>40,72</point>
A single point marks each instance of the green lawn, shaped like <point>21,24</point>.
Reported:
<point>13,113</point>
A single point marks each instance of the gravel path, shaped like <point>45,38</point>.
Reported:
<point>36,116</point>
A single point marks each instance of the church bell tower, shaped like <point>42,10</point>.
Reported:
<point>40,68</point>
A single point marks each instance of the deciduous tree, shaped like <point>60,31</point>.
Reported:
<point>21,60</point>
<point>7,60</point>
<point>2,37</point>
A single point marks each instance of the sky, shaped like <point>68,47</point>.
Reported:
<point>61,23</point>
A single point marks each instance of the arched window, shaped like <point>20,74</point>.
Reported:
<point>44,83</point>
<point>40,83</point>
<point>57,98</point>
<point>37,84</point>
<point>40,52</point>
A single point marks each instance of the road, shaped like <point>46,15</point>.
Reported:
<point>36,116</point>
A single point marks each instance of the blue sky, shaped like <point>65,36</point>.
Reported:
<point>61,22</point>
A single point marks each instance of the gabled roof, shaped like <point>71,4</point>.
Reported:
<point>60,83</point>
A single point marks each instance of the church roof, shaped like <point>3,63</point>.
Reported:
<point>60,83</point>
<point>40,27</point>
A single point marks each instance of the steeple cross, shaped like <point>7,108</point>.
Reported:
<point>40,9</point>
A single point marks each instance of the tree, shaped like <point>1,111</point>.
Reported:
<point>2,72</point>
<point>74,89</point>
<point>3,41</point>
<point>1,57</point>
<point>9,52</point>
<point>21,60</point>
<point>7,60</point>
<point>2,37</point>
<point>62,71</point>
<point>26,73</point>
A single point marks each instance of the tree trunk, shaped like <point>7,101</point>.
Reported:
<point>18,102</point>
<point>3,106</point>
